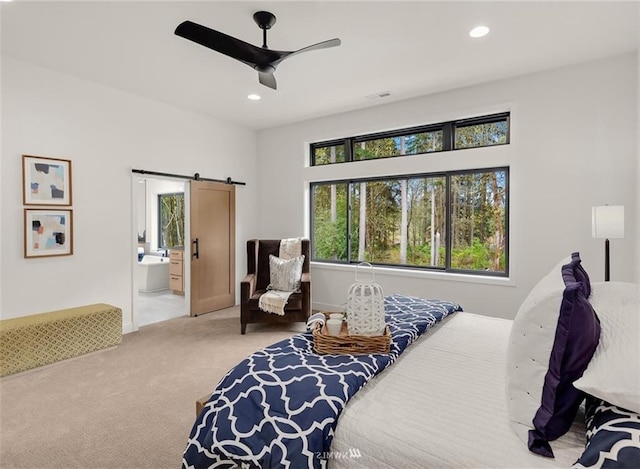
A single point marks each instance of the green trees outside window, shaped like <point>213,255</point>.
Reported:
<point>410,144</point>
<point>397,221</point>
<point>478,221</point>
<point>329,221</point>
<point>475,132</point>
<point>330,154</point>
<point>171,220</point>
<point>453,221</point>
<point>481,135</point>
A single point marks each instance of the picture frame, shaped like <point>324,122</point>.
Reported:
<point>48,232</point>
<point>46,181</point>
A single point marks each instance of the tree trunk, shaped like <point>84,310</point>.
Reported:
<point>497,202</point>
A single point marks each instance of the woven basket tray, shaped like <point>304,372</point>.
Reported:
<point>323,343</point>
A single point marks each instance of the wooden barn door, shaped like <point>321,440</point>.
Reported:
<point>213,270</point>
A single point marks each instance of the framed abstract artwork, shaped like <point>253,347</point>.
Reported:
<point>46,181</point>
<point>48,232</point>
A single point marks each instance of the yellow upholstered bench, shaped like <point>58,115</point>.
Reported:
<point>31,341</point>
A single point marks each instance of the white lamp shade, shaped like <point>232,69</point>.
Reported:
<point>608,221</point>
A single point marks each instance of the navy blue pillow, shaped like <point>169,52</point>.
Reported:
<point>581,275</point>
<point>576,339</point>
<point>612,436</point>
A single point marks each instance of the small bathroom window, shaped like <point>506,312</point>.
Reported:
<point>170,220</point>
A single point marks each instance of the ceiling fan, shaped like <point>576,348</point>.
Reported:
<point>262,59</point>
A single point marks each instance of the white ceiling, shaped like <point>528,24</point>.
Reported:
<point>409,48</point>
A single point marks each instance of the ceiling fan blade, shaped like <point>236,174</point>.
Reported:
<point>227,45</point>
<point>321,45</point>
<point>267,79</point>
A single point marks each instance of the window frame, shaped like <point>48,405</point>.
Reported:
<point>489,119</point>
<point>327,144</point>
<point>160,196</point>
<point>448,220</point>
<point>448,137</point>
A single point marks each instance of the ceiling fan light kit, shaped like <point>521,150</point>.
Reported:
<point>262,59</point>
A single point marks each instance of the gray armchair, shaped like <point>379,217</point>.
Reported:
<point>298,308</point>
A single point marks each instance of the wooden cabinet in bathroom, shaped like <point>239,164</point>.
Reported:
<point>176,271</point>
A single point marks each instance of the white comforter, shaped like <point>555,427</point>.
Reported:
<point>443,405</point>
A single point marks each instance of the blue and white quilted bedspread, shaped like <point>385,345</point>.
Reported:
<point>280,406</point>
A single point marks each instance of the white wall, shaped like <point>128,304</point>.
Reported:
<point>105,133</point>
<point>574,145</point>
<point>1,183</point>
<point>584,114</point>
<point>637,212</point>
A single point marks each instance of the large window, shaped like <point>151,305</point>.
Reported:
<point>445,136</point>
<point>170,220</point>
<point>452,221</point>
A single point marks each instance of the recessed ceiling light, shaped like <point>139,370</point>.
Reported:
<point>254,97</point>
<point>479,31</point>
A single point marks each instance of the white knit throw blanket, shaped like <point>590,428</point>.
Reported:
<point>290,248</point>
<point>274,301</point>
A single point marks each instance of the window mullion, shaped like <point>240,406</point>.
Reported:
<point>349,216</point>
<point>447,136</point>
<point>447,220</point>
<point>348,149</point>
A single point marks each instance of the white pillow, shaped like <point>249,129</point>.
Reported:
<point>285,275</point>
<point>613,373</point>
<point>529,349</point>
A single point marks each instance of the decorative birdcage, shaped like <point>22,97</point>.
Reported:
<point>365,306</point>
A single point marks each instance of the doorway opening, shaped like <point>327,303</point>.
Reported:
<point>161,268</point>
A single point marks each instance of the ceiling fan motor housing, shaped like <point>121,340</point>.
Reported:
<point>264,19</point>
<point>265,68</point>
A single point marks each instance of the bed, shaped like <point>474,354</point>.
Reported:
<point>279,406</point>
<point>457,372</point>
<point>451,396</point>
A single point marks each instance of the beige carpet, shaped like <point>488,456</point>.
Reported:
<point>128,407</point>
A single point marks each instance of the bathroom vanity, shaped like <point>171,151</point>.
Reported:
<point>176,271</point>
